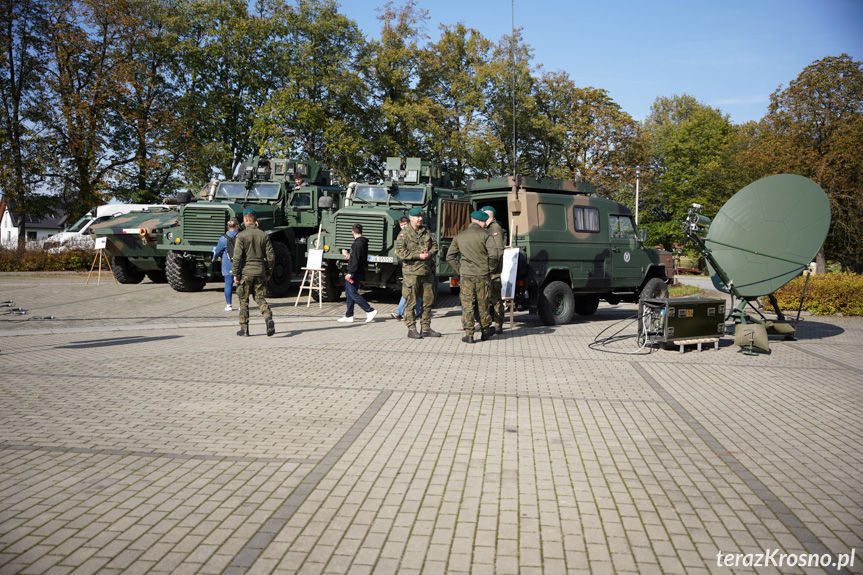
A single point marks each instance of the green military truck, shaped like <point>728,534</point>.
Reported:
<point>575,248</point>
<point>378,207</point>
<point>289,214</point>
<point>132,240</point>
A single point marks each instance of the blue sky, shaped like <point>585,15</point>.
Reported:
<point>729,55</point>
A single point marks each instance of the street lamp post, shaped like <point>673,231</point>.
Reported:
<point>637,174</point>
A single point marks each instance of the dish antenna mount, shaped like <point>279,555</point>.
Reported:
<point>761,239</point>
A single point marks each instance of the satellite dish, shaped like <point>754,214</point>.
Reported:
<point>767,233</point>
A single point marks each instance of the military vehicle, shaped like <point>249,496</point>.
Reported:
<point>378,207</point>
<point>79,234</point>
<point>575,248</point>
<point>132,241</point>
<point>289,214</point>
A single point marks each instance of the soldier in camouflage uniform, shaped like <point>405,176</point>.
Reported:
<point>417,248</point>
<point>479,255</point>
<point>498,234</point>
<point>254,261</point>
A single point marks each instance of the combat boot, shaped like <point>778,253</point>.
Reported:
<point>414,334</point>
<point>430,333</point>
<point>486,335</point>
<point>467,339</point>
<point>271,327</point>
<point>243,333</point>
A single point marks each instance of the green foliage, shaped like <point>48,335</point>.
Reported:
<point>13,260</point>
<point>826,294</point>
<point>683,290</point>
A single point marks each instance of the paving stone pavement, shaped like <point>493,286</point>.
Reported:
<point>138,434</point>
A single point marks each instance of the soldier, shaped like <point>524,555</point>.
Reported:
<point>254,261</point>
<point>417,249</point>
<point>497,232</point>
<point>479,255</point>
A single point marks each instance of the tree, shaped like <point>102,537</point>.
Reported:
<point>452,77</point>
<point>319,105</point>
<point>23,36</point>
<point>814,128</point>
<point>684,141</point>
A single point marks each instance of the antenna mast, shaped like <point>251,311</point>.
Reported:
<point>512,51</point>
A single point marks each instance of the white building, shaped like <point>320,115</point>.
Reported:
<point>36,228</point>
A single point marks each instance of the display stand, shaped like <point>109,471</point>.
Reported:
<point>508,277</point>
<point>313,278</point>
<point>100,253</point>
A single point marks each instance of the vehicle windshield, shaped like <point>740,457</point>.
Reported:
<point>265,191</point>
<point>381,193</point>
<point>79,225</point>
<point>231,190</point>
<point>409,195</point>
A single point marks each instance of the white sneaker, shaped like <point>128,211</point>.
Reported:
<point>371,315</point>
<point>229,308</point>
<point>346,319</point>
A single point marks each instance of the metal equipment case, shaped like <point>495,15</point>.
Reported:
<point>675,319</point>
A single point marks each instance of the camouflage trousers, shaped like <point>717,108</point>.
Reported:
<point>414,287</point>
<point>494,300</point>
<point>473,290</point>
<point>256,286</point>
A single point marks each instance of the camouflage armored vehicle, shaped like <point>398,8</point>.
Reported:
<point>378,207</point>
<point>132,241</point>
<point>289,214</point>
<point>575,248</point>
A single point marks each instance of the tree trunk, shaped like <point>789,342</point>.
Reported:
<point>820,262</point>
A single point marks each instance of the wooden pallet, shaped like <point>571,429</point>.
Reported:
<point>695,341</point>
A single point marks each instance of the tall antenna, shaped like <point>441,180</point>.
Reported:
<point>514,84</point>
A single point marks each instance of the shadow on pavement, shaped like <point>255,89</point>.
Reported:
<point>115,341</point>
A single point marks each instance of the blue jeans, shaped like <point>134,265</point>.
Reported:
<point>353,297</point>
<point>403,302</point>
<point>229,284</point>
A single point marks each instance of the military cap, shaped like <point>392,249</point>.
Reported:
<point>250,211</point>
<point>488,209</point>
<point>415,211</point>
<point>479,215</point>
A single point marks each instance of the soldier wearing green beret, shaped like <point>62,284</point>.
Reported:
<point>473,254</point>
<point>498,234</point>
<point>417,248</point>
<point>254,262</point>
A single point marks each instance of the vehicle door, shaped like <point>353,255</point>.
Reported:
<point>625,261</point>
<point>452,215</point>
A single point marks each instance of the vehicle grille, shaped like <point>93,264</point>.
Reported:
<point>374,230</point>
<point>203,226</point>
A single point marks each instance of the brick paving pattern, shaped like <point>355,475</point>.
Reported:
<point>138,434</point>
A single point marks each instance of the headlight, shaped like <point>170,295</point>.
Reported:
<point>170,236</point>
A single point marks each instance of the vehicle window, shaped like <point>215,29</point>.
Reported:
<point>266,191</point>
<point>77,226</point>
<point>621,227</point>
<point>372,193</point>
<point>586,219</point>
<point>409,195</point>
<point>231,190</point>
<point>301,199</point>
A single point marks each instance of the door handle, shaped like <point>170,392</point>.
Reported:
<point>615,249</point>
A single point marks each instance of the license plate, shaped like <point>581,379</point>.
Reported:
<point>382,259</point>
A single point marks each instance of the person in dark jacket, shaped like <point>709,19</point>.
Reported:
<point>254,261</point>
<point>357,264</point>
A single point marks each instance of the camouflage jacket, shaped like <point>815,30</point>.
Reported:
<point>409,244</point>
<point>253,253</point>
<point>479,254</point>
<point>498,234</point>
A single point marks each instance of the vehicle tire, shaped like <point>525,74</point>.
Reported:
<point>180,274</point>
<point>454,290</point>
<point>556,304</point>
<point>654,288</point>
<point>125,271</point>
<point>157,276</point>
<point>280,280</point>
<point>586,304</point>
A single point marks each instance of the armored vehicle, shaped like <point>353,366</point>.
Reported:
<point>132,240</point>
<point>575,248</point>
<point>289,214</point>
<point>79,234</point>
<point>378,207</point>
